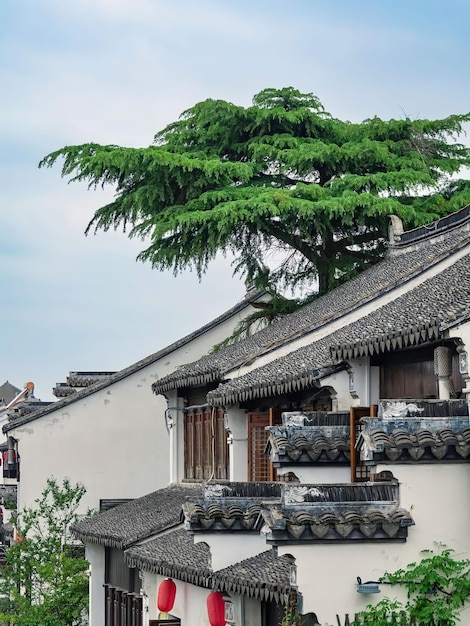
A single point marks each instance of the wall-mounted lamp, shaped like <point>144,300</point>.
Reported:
<point>293,575</point>
<point>229,613</point>
<point>352,384</point>
<point>370,586</point>
<point>463,363</point>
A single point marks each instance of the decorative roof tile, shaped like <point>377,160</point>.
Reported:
<point>322,524</point>
<point>230,506</point>
<point>411,440</point>
<point>308,444</point>
<point>324,513</point>
<point>79,380</point>
<point>360,511</point>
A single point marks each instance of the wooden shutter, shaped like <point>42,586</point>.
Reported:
<point>222,461</point>
<point>189,444</point>
<point>206,452</point>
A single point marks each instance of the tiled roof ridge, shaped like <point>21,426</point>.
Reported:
<point>382,524</point>
<point>309,444</point>
<point>421,444</point>
<point>135,367</point>
<point>446,301</point>
<point>354,293</point>
<point>434,229</point>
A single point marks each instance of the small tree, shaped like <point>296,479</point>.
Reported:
<point>438,587</point>
<point>42,581</point>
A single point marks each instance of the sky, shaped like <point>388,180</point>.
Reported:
<point>118,71</point>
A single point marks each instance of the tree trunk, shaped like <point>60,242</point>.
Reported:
<point>326,264</point>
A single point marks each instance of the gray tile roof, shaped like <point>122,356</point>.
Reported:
<point>79,380</point>
<point>308,444</point>
<point>421,315</point>
<point>8,392</point>
<point>175,555</point>
<point>400,266</point>
<point>454,220</point>
<point>265,576</point>
<point>135,367</point>
<point>421,439</point>
<point>313,513</point>
<point>127,523</point>
<point>350,522</point>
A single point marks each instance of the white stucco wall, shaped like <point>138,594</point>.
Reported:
<point>95,556</point>
<point>238,443</point>
<point>114,441</point>
<point>190,601</point>
<point>438,497</point>
<point>228,548</point>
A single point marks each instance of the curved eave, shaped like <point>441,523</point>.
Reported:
<point>396,340</point>
<point>188,380</point>
<point>291,383</point>
<point>263,592</point>
<point>212,580</point>
<point>108,541</point>
<point>201,577</point>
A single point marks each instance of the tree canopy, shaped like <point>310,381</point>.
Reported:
<point>42,581</point>
<point>282,177</point>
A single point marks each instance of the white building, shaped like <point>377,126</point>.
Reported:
<point>111,436</point>
<point>361,401</point>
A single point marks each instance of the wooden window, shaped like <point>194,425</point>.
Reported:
<point>260,468</point>
<point>206,452</point>
<point>258,462</point>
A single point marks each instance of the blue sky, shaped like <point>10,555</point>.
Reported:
<point>117,71</point>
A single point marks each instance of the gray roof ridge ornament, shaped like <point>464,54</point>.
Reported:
<point>395,229</point>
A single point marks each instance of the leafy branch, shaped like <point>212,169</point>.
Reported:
<point>437,588</point>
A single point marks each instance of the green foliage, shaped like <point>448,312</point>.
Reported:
<point>291,616</point>
<point>40,582</point>
<point>437,588</point>
<point>281,177</point>
<point>265,312</point>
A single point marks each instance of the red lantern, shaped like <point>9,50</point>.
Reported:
<point>216,609</point>
<point>166,597</point>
